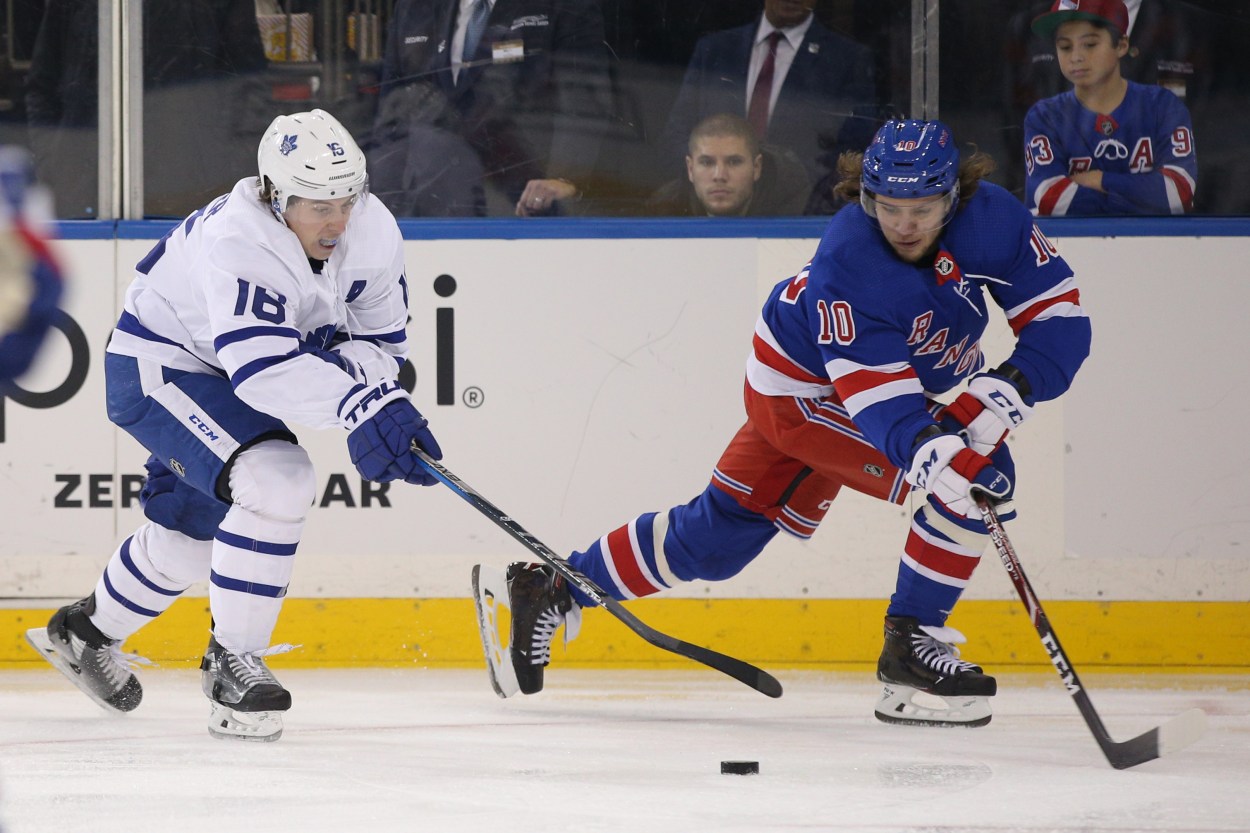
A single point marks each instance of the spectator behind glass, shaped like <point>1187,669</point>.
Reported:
<point>819,80</point>
<point>194,52</point>
<point>729,174</point>
<point>513,127</point>
<point>1109,146</point>
<point>1170,45</point>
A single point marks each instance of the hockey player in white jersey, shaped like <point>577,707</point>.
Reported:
<point>282,301</point>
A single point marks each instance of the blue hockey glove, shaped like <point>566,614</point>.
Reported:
<point>990,408</point>
<point>386,425</point>
<point>949,470</point>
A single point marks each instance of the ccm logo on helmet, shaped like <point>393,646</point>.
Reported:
<point>902,179</point>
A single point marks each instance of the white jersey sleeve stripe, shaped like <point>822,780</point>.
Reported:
<point>1062,288</point>
<point>881,393</point>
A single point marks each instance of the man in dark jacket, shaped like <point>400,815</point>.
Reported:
<point>730,174</point>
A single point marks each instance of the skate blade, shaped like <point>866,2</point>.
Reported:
<point>228,724</point>
<point>490,593</point>
<point>41,642</point>
<point>904,706</point>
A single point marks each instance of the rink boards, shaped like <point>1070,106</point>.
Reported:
<point>578,381</point>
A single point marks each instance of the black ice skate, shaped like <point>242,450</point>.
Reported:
<point>539,603</point>
<point>247,700</point>
<point>89,659</point>
<point>926,684</point>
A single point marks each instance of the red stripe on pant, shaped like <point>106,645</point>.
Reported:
<point>930,555</point>
<point>627,560</point>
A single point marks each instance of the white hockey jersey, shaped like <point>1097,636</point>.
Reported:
<point>230,291</point>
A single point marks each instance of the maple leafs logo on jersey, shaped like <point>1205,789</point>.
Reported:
<point>288,145</point>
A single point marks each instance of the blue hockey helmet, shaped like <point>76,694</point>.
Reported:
<point>909,159</point>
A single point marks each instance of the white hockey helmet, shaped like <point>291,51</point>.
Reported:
<point>309,155</point>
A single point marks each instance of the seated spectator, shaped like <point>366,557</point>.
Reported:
<point>802,87</point>
<point>490,107</point>
<point>1109,146</point>
<point>729,174</point>
<point>1171,47</point>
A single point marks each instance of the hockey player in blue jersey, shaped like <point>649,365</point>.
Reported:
<point>1109,145</point>
<point>30,278</point>
<point>284,300</point>
<point>848,357</point>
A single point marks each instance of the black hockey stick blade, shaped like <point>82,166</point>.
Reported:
<point>741,671</point>
<point>1172,736</point>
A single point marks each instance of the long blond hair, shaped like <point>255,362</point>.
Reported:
<point>972,169</point>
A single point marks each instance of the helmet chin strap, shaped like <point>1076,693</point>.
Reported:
<point>275,205</point>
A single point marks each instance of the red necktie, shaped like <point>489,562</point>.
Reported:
<point>757,112</point>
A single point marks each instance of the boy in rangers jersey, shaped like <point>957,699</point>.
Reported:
<point>282,301</point>
<point>1108,146</point>
<point>848,355</point>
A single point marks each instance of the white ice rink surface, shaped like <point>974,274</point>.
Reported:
<point>435,750</point>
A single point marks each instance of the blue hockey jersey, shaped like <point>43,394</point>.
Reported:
<point>1144,148</point>
<point>882,335</point>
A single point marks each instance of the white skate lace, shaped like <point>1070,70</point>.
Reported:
<point>544,629</point>
<point>111,661</point>
<point>940,656</point>
<point>249,667</point>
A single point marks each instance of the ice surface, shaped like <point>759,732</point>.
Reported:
<point>436,750</point>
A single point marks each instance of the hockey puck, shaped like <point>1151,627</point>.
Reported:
<point>739,767</point>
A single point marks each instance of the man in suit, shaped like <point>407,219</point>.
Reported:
<point>513,93</point>
<point>816,98</point>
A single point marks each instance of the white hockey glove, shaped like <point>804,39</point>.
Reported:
<point>990,408</point>
<point>946,468</point>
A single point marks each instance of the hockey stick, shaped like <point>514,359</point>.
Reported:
<point>1172,736</point>
<point>743,672</point>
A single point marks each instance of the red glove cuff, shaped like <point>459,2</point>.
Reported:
<point>964,409</point>
<point>968,464</point>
